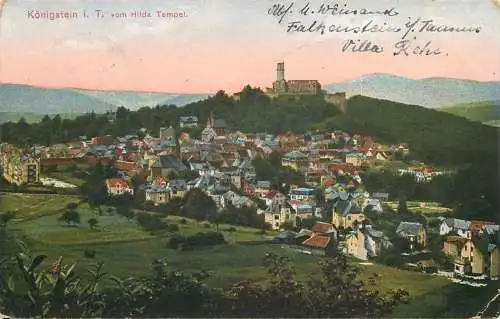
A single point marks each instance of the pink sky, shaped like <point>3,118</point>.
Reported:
<point>224,45</point>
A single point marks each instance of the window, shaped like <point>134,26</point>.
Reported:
<point>471,249</point>
<point>276,217</point>
<point>457,267</point>
<point>348,217</point>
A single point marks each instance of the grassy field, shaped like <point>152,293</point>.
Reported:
<point>32,206</point>
<point>127,250</point>
<point>65,177</point>
<point>483,111</point>
<point>426,208</point>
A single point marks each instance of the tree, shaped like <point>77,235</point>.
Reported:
<point>92,223</point>
<point>337,293</point>
<point>198,205</point>
<point>125,211</point>
<point>70,217</point>
<point>173,228</point>
<point>403,206</point>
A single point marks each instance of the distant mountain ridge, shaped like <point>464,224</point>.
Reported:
<point>429,92</point>
<point>37,100</point>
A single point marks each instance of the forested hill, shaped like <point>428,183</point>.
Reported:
<point>435,137</point>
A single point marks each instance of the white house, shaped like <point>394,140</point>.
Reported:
<point>118,186</point>
<point>374,205</point>
<point>460,226</point>
<point>302,194</point>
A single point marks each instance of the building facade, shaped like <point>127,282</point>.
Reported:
<point>19,167</point>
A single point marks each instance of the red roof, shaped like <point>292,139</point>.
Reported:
<point>58,161</point>
<point>93,160</point>
<point>125,166</point>
<point>318,241</point>
<point>322,228</point>
<point>116,182</point>
<point>271,194</point>
<point>131,157</point>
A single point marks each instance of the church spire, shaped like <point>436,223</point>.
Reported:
<point>210,120</point>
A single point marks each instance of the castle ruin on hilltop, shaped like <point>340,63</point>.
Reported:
<point>302,87</point>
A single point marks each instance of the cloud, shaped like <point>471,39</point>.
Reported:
<point>86,41</point>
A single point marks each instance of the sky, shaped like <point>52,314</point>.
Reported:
<point>226,44</point>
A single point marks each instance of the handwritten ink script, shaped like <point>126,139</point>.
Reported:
<point>306,18</point>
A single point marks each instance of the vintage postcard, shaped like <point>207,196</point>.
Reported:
<point>274,158</point>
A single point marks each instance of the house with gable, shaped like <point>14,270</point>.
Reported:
<point>414,233</point>
<point>347,214</point>
<point>319,244</point>
<point>165,165</point>
<point>295,160</point>
<point>188,121</point>
<point>277,215</point>
<point>326,229</point>
<point>302,194</point>
<point>455,225</point>
<point>372,205</point>
<point>262,188</point>
<point>118,186</point>
<point>157,193</point>
<point>355,158</point>
<point>274,197</point>
<point>365,243</point>
<point>478,257</point>
<point>452,245</point>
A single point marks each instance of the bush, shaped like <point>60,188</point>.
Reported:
<point>196,241</point>
<point>206,225</point>
<point>150,222</point>
<point>172,228</point>
<point>176,241</point>
<point>89,253</point>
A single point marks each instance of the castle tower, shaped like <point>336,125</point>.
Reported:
<point>280,71</point>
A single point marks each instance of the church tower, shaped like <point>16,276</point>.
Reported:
<point>210,120</point>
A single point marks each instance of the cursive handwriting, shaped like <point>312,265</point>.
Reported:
<point>316,26</point>
<point>420,25</point>
<point>304,17</point>
<point>407,48</point>
<point>280,11</point>
<point>359,46</point>
<point>337,9</point>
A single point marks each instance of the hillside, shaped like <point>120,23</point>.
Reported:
<point>485,111</point>
<point>430,92</point>
<point>436,137</point>
<point>37,100</point>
